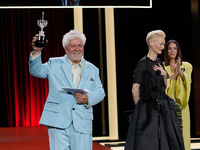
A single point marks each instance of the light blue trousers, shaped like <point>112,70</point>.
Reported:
<point>76,2</point>
<point>68,139</point>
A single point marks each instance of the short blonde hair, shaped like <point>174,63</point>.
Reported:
<point>154,34</point>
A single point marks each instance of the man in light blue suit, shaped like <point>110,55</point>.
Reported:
<point>68,116</point>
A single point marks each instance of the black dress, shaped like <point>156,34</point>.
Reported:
<point>143,129</point>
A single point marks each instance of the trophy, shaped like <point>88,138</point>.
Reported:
<point>41,39</point>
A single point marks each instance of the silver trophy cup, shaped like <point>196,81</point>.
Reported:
<point>41,39</point>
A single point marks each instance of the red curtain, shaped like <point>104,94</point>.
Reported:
<point>23,96</point>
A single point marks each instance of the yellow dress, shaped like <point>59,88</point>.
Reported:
<point>179,90</point>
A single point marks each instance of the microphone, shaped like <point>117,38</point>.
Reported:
<point>158,72</point>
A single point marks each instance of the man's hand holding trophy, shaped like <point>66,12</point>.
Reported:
<point>41,40</point>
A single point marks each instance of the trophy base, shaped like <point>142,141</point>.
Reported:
<point>41,41</point>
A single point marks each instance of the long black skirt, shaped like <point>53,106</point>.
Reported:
<point>143,129</point>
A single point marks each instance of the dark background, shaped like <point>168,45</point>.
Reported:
<point>175,18</point>
<point>81,2</point>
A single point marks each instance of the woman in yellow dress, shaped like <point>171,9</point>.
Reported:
<point>179,84</point>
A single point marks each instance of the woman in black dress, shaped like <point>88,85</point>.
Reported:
<point>156,122</point>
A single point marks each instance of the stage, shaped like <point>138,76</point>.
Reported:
<point>36,138</point>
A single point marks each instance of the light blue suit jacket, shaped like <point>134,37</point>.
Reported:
<point>61,108</point>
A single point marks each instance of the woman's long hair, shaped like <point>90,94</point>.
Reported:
<point>166,56</point>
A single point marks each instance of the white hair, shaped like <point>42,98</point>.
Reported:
<point>154,34</point>
<point>71,35</point>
